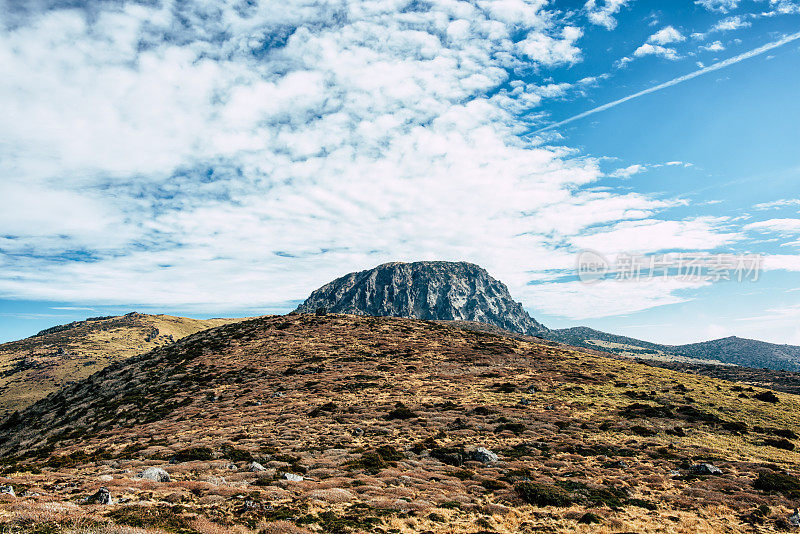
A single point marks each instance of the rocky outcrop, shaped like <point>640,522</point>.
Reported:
<point>432,290</point>
<point>705,470</point>
<point>103,496</point>
<point>484,455</point>
<point>155,473</point>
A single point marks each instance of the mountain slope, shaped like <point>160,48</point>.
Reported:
<point>379,421</point>
<point>431,290</point>
<point>745,352</point>
<point>726,351</point>
<point>33,367</point>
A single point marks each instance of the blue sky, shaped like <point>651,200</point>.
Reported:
<point>223,158</point>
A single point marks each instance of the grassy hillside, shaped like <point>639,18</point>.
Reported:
<point>33,367</point>
<point>382,418</point>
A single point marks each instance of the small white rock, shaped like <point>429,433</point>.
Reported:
<point>292,477</point>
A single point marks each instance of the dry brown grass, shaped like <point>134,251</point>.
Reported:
<point>39,365</point>
<point>251,386</point>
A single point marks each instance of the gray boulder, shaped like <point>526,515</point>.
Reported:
<point>705,469</point>
<point>291,477</point>
<point>794,519</point>
<point>155,473</point>
<point>7,490</point>
<point>256,467</point>
<point>103,496</point>
<point>484,455</point>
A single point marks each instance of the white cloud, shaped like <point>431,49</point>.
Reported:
<point>781,203</point>
<point>578,301</point>
<point>549,51</point>
<point>629,171</point>
<point>207,156</point>
<point>648,49</point>
<point>602,12</point>
<point>652,235</point>
<point>781,262</point>
<point>730,24</point>
<point>722,6</point>
<point>716,46</point>
<point>782,226</point>
<point>654,46</point>
<point>666,35</point>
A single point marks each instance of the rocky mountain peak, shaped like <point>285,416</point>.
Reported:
<point>432,290</point>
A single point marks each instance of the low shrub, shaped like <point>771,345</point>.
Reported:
<point>449,455</point>
<point>643,431</point>
<point>778,483</point>
<point>516,428</point>
<point>779,443</point>
<point>543,494</point>
<point>400,411</point>
<point>589,518</point>
<point>767,396</point>
<point>167,518</point>
<point>192,454</point>
<point>329,407</point>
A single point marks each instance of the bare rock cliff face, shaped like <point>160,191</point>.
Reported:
<point>432,290</point>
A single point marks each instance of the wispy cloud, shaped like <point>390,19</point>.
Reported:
<point>716,46</point>
<point>216,157</point>
<point>722,6</point>
<point>675,81</point>
<point>666,35</point>
<point>781,226</point>
<point>730,24</point>
<point>220,155</point>
<point>781,203</point>
<point>601,12</point>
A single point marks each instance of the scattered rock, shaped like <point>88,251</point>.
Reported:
<point>7,490</point>
<point>105,478</point>
<point>484,455</point>
<point>291,477</point>
<point>103,496</point>
<point>232,467</point>
<point>357,432</point>
<point>705,469</point>
<point>256,467</point>
<point>155,473</point>
<point>794,519</point>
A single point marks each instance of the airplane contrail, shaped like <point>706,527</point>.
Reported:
<point>675,81</point>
